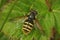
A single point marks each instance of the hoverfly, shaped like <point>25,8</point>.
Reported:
<point>29,21</point>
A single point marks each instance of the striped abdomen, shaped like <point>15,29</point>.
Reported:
<point>27,27</point>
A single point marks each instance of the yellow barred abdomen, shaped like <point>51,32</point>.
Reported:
<point>27,27</point>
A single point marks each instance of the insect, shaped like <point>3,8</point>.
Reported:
<point>28,24</point>
<point>29,21</point>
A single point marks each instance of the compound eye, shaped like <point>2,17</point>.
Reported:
<point>33,11</point>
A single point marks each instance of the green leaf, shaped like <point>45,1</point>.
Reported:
<point>3,37</point>
<point>17,8</point>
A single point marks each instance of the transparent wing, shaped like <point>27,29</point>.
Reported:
<point>18,18</point>
<point>13,27</point>
<point>39,26</point>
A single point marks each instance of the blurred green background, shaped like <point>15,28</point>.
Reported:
<point>16,8</point>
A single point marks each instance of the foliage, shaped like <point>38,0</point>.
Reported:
<point>16,8</point>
